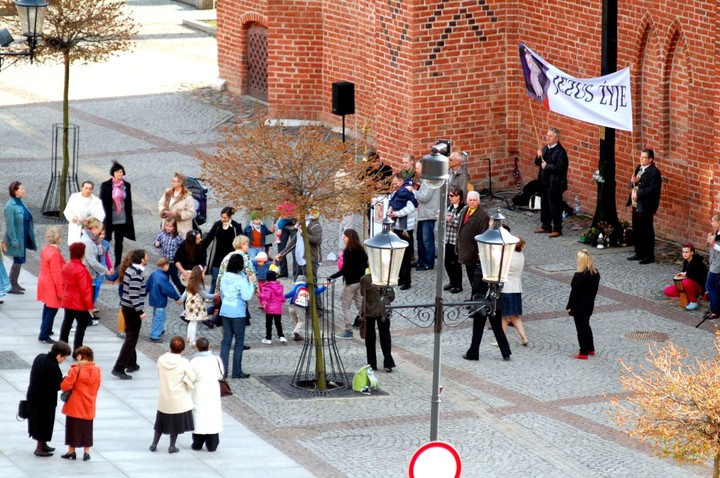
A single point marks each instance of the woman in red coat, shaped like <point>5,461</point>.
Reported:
<point>77,295</point>
<point>84,380</point>
<point>49,290</point>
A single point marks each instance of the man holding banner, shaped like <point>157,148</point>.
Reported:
<point>553,162</point>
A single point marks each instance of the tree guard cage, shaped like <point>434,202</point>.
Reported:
<point>305,373</point>
<point>51,205</point>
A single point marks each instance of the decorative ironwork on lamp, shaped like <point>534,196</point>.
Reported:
<point>31,14</point>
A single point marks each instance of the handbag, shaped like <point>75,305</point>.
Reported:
<point>66,394</point>
<point>22,412</point>
<point>225,390</point>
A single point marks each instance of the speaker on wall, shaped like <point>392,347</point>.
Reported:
<point>343,98</point>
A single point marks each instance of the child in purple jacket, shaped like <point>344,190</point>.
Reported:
<point>272,298</point>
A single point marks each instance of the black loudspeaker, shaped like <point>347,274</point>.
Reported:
<point>343,98</point>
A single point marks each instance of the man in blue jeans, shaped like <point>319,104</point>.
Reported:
<point>427,198</point>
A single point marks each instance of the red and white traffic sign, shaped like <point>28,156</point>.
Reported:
<point>435,460</point>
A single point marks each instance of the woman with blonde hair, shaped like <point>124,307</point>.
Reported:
<point>583,290</point>
<point>50,286</point>
<point>177,203</point>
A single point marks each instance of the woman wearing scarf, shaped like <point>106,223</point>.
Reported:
<point>178,204</point>
<point>19,232</point>
<point>117,202</point>
<point>94,250</point>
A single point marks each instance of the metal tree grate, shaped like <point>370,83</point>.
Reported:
<point>648,336</point>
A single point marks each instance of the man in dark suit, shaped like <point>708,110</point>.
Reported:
<point>645,200</point>
<point>476,221</point>
<point>553,162</point>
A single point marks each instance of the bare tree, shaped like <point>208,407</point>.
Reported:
<point>88,31</point>
<point>674,404</point>
<point>261,166</point>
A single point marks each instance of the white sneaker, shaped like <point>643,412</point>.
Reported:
<point>266,341</point>
<point>283,339</point>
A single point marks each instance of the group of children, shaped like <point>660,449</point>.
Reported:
<point>198,302</point>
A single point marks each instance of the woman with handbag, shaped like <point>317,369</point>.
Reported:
<point>83,382</point>
<point>207,410</point>
<point>45,379</point>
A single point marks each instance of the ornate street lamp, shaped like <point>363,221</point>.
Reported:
<point>495,248</point>
<point>31,14</point>
<point>385,254</point>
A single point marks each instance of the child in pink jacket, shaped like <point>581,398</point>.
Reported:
<point>272,298</point>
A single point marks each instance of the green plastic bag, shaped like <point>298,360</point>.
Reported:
<point>365,380</point>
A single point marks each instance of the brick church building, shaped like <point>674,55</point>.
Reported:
<point>449,69</point>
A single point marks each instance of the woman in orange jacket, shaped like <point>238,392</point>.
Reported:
<point>84,380</point>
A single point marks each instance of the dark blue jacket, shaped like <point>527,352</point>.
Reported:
<point>159,289</point>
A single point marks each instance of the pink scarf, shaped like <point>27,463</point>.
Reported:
<point>118,194</point>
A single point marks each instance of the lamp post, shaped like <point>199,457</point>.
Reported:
<point>31,14</point>
<point>435,175</point>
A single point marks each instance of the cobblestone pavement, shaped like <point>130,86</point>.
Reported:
<point>542,414</point>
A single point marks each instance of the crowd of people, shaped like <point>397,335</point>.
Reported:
<point>237,261</point>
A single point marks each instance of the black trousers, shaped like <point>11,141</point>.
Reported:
<point>128,356</point>
<point>405,268</point>
<point>643,234</point>
<point>269,319</point>
<point>452,266</point>
<point>584,334</point>
<point>211,441</point>
<point>475,277</point>
<point>385,341</point>
<point>82,318</point>
<point>551,209</point>
<point>479,319</point>
<point>119,233</point>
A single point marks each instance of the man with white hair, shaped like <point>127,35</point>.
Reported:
<point>476,221</point>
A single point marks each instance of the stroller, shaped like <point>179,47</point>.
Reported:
<point>199,193</point>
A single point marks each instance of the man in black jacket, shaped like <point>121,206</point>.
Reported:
<point>645,200</point>
<point>553,162</point>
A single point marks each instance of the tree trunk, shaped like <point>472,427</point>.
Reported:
<point>317,336</point>
<point>66,124</point>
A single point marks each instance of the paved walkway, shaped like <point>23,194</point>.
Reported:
<point>542,414</point>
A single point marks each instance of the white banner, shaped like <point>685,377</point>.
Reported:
<point>603,101</point>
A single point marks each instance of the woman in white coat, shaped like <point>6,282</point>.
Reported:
<point>82,206</point>
<point>207,411</point>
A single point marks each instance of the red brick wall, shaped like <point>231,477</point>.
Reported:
<point>428,69</point>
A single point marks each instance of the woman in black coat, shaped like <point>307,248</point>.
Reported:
<point>583,290</point>
<point>116,197</point>
<point>42,393</point>
<point>355,261</point>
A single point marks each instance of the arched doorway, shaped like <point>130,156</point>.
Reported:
<point>257,53</point>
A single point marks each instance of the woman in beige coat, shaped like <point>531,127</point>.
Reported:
<point>175,383</point>
<point>177,203</point>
